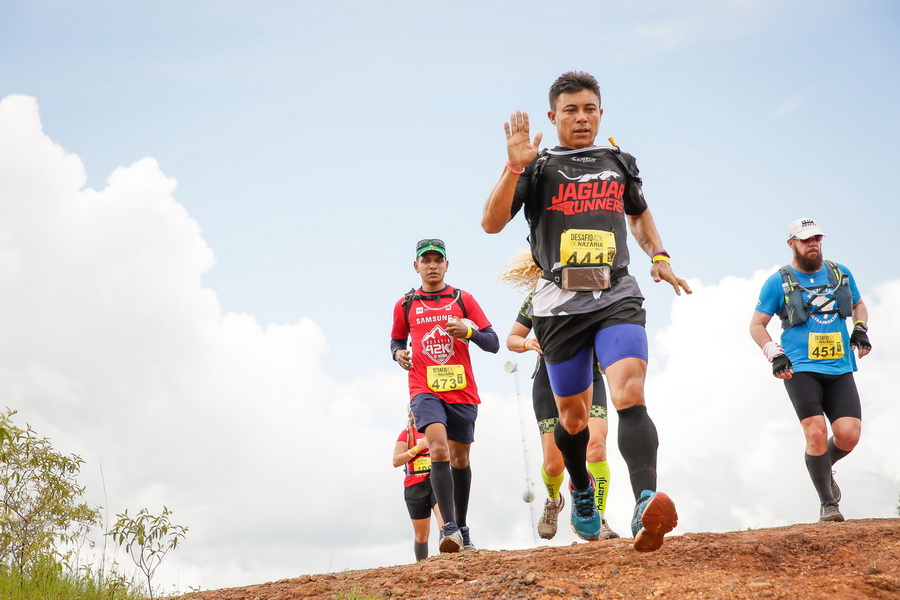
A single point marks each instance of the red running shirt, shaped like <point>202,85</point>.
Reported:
<point>419,468</point>
<point>441,364</point>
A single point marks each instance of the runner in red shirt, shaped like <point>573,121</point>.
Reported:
<point>411,452</point>
<point>441,321</point>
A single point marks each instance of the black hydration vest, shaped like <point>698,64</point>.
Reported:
<point>414,294</point>
<point>796,311</point>
<point>537,170</point>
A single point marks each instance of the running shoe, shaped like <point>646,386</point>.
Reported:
<point>606,532</point>
<point>835,490</point>
<point>830,512</point>
<point>467,542</point>
<point>654,516</point>
<point>452,540</point>
<point>547,524</point>
<point>585,518</point>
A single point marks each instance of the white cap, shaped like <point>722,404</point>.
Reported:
<point>803,229</point>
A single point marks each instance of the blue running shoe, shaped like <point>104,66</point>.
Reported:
<point>654,516</point>
<point>585,518</point>
<point>452,539</point>
<point>467,546</point>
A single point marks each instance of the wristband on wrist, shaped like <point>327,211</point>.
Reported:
<point>861,325</point>
<point>509,166</point>
<point>771,350</point>
<point>526,344</point>
<point>662,255</point>
<point>413,451</point>
<point>468,332</point>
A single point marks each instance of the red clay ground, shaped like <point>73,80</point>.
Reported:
<point>830,561</point>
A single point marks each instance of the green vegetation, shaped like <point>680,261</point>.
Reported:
<point>44,526</point>
<point>356,594</point>
<point>52,582</point>
<point>42,519</point>
<point>147,538</point>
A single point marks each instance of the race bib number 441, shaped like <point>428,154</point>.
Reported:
<point>825,345</point>
<point>446,378</point>
<point>587,247</point>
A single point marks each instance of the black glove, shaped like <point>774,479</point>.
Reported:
<point>860,338</point>
<point>781,364</point>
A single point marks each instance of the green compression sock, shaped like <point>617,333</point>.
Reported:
<point>553,484</point>
<point>600,471</point>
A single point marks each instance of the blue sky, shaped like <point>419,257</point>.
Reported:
<point>299,149</point>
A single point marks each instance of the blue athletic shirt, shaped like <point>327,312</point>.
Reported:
<point>795,340</point>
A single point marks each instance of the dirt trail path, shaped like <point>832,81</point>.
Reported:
<point>830,561</point>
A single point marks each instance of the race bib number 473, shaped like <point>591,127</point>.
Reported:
<point>446,378</point>
<point>587,247</point>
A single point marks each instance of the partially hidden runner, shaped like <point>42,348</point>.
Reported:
<point>522,273</point>
<point>411,452</point>
<point>580,200</point>
<point>441,321</point>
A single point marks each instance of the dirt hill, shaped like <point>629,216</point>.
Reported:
<point>831,561</point>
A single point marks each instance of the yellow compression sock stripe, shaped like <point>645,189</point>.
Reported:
<point>553,484</point>
<point>600,471</point>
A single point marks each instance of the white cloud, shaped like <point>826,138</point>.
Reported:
<point>115,350</point>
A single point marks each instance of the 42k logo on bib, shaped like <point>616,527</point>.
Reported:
<point>437,345</point>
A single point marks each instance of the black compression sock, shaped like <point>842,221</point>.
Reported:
<point>835,453</point>
<point>421,549</point>
<point>638,443</point>
<point>574,453</point>
<point>462,483</point>
<point>442,484</point>
<point>819,468</point>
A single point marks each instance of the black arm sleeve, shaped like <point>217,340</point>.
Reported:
<point>486,339</point>
<point>397,345</point>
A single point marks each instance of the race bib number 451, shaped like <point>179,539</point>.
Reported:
<point>446,378</point>
<point>825,345</point>
<point>587,247</point>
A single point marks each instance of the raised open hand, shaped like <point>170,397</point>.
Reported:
<point>519,147</point>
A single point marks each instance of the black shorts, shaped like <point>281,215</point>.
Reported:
<point>562,336</point>
<point>545,411</point>
<point>814,394</point>
<point>459,419</point>
<point>420,499</point>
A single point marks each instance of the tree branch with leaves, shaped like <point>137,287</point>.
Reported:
<point>147,538</point>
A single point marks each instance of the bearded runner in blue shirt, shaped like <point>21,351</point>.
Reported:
<point>814,297</point>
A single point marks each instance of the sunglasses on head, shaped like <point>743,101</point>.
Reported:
<point>424,243</point>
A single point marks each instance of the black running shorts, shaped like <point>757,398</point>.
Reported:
<point>563,336</point>
<point>814,394</point>
<point>420,500</point>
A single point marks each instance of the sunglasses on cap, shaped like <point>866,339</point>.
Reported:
<point>425,243</point>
